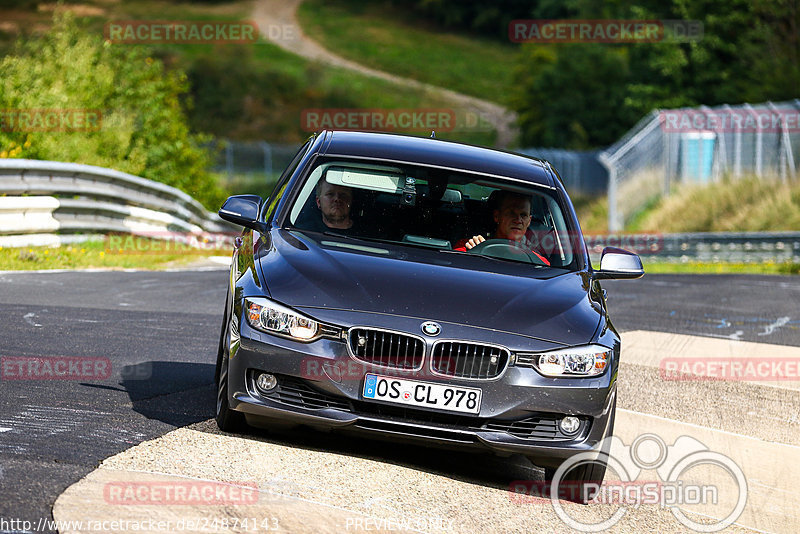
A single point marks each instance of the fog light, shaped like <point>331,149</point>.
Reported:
<point>266,382</point>
<point>569,425</point>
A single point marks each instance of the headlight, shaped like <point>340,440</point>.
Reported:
<point>268,316</point>
<point>590,360</point>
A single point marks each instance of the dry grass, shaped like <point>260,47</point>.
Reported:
<point>592,213</point>
<point>746,205</point>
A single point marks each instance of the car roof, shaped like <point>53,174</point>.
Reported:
<point>438,153</point>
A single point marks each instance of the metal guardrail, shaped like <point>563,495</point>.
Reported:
<point>716,247</point>
<point>46,202</point>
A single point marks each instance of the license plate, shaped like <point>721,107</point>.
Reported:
<point>426,394</point>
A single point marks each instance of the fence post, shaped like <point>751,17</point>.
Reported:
<point>781,142</point>
<point>789,152</point>
<point>267,157</point>
<point>759,155</point>
<point>613,209</point>
<point>667,147</point>
<point>737,145</point>
<point>229,159</point>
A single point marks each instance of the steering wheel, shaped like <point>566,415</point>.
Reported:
<point>505,249</point>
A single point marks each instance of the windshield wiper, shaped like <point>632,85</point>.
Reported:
<point>337,234</point>
<point>497,258</point>
<point>381,240</point>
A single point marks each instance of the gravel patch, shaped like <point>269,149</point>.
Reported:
<point>768,413</point>
<point>423,489</point>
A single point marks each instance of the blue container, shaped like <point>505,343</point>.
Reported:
<point>697,156</point>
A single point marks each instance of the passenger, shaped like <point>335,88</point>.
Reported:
<point>335,201</point>
<point>512,217</point>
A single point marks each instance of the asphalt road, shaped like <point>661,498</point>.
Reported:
<point>159,332</point>
<point>762,309</point>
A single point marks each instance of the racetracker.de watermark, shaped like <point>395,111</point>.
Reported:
<point>637,243</point>
<point>744,120</point>
<point>169,242</point>
<point>604,31</point>
<point>730,369</point>
<point>180,492</point>
<point>54,368</point>
<point>375,119</point>
<point>312,368</point>
<point>547,241</point>
<point>50,120</point>
<point>180,32</point>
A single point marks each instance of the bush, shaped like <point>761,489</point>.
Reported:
<point>143,130</point>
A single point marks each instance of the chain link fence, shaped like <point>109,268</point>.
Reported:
<point>251,167</point>
<point>581,171</point>
<point>688,145</point>
<point>255,166</point>
<point>699,145</point>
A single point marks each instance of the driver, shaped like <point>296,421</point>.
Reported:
<point>335,201</point>
<point>512,217</point>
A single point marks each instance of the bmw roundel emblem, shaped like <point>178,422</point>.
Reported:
<point>430,328</point>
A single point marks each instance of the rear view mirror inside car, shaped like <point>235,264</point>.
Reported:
<point>452,195</point>
<point>376,180</point>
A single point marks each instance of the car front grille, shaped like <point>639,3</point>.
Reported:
<point>537,428</point>
<point>468,360</point>
<point>389,349</point>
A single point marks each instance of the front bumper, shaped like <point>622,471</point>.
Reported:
<point>320,385</point>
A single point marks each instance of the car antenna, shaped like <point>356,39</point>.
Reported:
<point>433,134</point>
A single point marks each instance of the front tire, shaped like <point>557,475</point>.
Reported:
<point>227,420</point>
<point>581,483</point>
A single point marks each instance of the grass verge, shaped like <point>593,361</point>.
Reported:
<point>660,267</point>
<point>145,254</point>
<point>385,38</point>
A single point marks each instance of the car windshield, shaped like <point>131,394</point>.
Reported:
<point>441,209</point>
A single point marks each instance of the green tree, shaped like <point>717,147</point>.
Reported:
<point>591,94</point>
<point>573,96</point>
<point>143,129</point>
<point>774,53</point>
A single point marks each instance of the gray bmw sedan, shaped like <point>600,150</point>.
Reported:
<point>416,289</point>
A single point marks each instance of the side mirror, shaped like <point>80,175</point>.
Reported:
<point>243,210</point>
<point>619,264</point>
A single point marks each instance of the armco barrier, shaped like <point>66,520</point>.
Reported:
<point>47,202</point>
<point>745,247</point>
<point>713,247</point>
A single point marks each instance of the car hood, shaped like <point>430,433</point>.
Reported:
<point>429,285</point>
